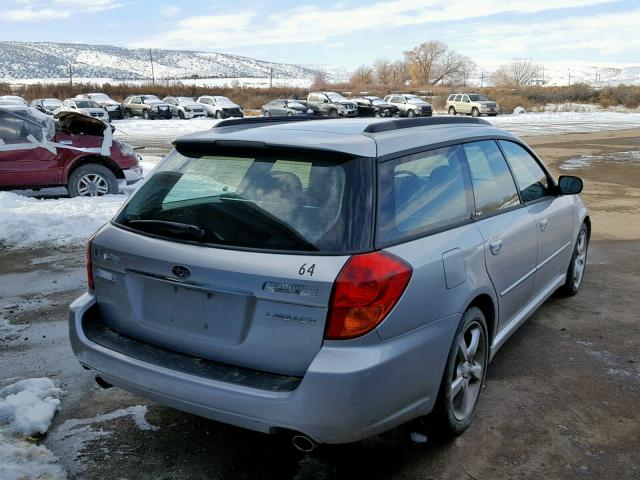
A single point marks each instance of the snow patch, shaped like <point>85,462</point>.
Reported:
<point>7,330</point>
<point>27,222</point>
<point>584,161</point>
<point>70,438</point>
<point>27,408</point>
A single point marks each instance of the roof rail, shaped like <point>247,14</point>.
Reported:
<point>421,122</point>
<point>262,120</point>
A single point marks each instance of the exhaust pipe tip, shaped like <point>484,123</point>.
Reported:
<point>102,383</point>
<point>303,443</point>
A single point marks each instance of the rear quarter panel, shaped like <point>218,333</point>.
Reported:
<point>436,291</point>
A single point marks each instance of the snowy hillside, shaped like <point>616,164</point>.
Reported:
<point>22,60</point>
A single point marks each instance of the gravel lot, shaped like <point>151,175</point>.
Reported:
<point>561,397</point>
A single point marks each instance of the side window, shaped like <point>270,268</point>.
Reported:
<point>8,128</point>
<point>465,98</point>
<point>422,192</point>
<point>531,178</point>
<point>458,98</point>
<point>493,186</point>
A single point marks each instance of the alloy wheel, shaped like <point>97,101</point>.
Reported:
<point>92,185</point>
<point>468,371</point>
<point>580,259</point>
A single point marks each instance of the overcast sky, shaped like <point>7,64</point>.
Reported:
<point>345,33</point>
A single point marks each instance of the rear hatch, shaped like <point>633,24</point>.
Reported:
<point>231,254</point>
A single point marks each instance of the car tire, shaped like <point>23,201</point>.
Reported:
<point>475,112</point>
<point>219,115</point>
<point>333,113</point>
<point>267,113</point>
<point>145,114</point>
<point>181,114</point>
<point>411,113</point>
<point>289,114</point>
<point>127,113</point>
<point>578,264</point>
<point>377,114</point>
<point>452,111</point>
<point>92,180</point>
<point>463,378</point>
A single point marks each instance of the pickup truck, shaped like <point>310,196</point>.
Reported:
<point>330,104</point>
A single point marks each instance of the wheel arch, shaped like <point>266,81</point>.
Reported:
<point>487,306</point>
<point>87,159</point>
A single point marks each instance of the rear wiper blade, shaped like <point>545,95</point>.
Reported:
<point>169,227</point>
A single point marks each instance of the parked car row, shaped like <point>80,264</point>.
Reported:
<point>322,103</point>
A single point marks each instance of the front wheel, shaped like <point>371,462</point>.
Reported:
<point>575,272</point>
<point>333,113</point>
<point>219,115</point>
<point>92,180</point>
<point>181,114</point>
<point>145,114</point>
<point>464,375</point>
<point>267,113</point>
<point>411,114</point>
<point>127,113</point>
<point>475,112</point>
<point>289,114</point>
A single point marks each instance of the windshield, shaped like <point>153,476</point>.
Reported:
<point>186,100</point>
<point>100,97</point>
<point>296,105</point>
<point>415,100</point>
<point>297,201</point>
<point>478,98</point>
<point>86,104</point>
<point>223,101</point>
<point>336,97</point>
<point>151,99</point>
<point>51,102</point>
<point>377,101</point>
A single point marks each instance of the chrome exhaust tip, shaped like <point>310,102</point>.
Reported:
<point>303,443</point>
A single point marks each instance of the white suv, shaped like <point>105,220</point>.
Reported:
<point>472,104</point>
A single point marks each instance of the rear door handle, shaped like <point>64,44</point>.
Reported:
<point>496,246</point>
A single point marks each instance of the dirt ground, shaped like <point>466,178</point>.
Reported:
<point>561,400</point>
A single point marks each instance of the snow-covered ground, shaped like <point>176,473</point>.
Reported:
<point>27,408</point>
<point>27,222</point>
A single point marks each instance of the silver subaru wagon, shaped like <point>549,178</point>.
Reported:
<point>330,279</point>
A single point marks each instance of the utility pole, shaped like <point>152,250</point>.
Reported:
<point>569,77</point>
<point>153,77</point>
<point>271,78</point>
<point>543,75</point>
<point>71,75</point>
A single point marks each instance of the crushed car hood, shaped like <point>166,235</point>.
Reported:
<point>78,123</point>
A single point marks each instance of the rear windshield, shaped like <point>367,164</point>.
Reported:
<point>301,201</point>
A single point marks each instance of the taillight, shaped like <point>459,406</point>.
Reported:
<point>90,265</point>
<point>366,290</point>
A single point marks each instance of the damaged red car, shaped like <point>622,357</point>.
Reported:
<point>73,150</point>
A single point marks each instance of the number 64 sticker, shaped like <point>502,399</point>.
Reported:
<point>304,270</point>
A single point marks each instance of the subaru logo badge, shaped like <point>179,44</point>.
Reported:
<point>181,271</point>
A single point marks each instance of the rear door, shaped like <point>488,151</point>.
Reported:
<point>249,281</point>
<point>508,228</point>
<point>553,214</point>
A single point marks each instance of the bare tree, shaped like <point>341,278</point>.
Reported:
<point>363,75</point>
<point>516,73</point>
<point>383,71</point>
<point>467,69</point>
<point>400,74</point>
<point>448,68</point>
<point>319,80</point>
<point>421,60</point>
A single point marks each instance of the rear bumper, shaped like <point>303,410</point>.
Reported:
<point>347,394</point>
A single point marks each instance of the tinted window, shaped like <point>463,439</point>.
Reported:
<point>532,180</point>
<point>294,201</point>
<point>493,186</point>
<point>421,192</point>
<point>8,127</point>
<point>458,98</point>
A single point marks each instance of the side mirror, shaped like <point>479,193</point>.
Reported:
<point>569,185</point>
